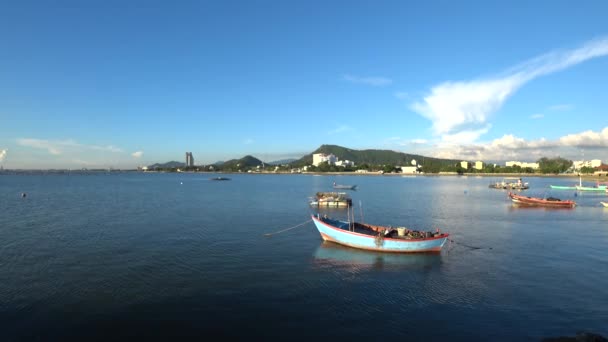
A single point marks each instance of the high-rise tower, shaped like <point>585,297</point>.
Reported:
<point>189,159</point>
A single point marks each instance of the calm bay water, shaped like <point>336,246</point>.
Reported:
<point>120,255</point>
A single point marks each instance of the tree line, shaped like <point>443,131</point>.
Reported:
<point>546,166</point>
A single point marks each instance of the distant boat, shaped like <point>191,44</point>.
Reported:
<point>332,199</point>
<point>599,186</point>
<point>510,183</point>
<point>220,178</point>
<point>345,187</point>
<point>378,238</point>
<point>551,202</point>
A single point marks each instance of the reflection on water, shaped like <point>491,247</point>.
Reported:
<point>335,255</point>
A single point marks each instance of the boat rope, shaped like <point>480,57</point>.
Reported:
<point>465,245</point>
<point>286,229</point>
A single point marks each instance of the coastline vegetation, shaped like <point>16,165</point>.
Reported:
<point>547,166</point>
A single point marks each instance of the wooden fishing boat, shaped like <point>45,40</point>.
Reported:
<point>541,202</point>
<point>345,187</point>
<point>378,238</point>
<point>332,200</point>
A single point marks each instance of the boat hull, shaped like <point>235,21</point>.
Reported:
<point>591,188</point>
<point>344,237</point>
<point>540,202</point>
<point>559,187</point>
<point>345,187</point>
<point>605,204</point>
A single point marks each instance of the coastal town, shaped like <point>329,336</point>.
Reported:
<point>329,162</point>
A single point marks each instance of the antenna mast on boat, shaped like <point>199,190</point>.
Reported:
<point>361,210</point>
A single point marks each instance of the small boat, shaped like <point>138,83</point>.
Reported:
<point>551,202</point>
<point>379,238</point>
<point>332,199</point>
<point>511,183</point>
<point>563,187</point>
<point>345,187</point>
<point>220,178</point>
<point>605,204</point>
<point>599,186</point>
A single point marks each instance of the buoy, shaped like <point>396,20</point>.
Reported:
<point>23,194</point>
<point>181,183</point>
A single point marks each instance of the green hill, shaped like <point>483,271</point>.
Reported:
<point>167,165</point>
<point>247,162</point>
<point>375,157</point>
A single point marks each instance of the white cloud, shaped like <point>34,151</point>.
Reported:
<point>537,116</point>
<point>3,154</point>
<point>512,147</point>
<point>248,141</point>
<point>419,141</point>
<point>57,147</point>
<point>372,81</point>
<point>137,154</point>
<point>586,139</point>
<point>461,108</point>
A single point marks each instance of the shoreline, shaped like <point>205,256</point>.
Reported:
<point>599,177</point>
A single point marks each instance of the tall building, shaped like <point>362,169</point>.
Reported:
<point>189,159</point>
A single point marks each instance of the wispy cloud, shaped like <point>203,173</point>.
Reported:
<point>371,81</point>
<point>3,154</point>
<point>463,108</point>
<point>137,154</point>
<point>537,116</point>
<point>561,107</point>
<point>57,147</point>
<point>248,141</point>
<point>340,129</point>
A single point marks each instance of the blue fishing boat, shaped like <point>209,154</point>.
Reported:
<point>379,238</point>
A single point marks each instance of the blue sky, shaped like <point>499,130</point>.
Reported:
<point>127,83</point>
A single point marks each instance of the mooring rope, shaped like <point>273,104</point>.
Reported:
<point>469,246</point>
<point>286,229</point>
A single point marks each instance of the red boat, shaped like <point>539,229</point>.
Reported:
<point>541,202</point>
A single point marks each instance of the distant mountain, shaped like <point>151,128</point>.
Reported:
<point>375,157</point>
<point>168,165</point>
<point>243,163</point>
<point>282,161</point>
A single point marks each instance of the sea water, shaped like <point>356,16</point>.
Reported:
<point>106,256</point>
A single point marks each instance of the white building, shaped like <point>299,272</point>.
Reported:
<point>586,163</point>
<point>478,165</point>
<point>319,158</point>
<point>523,165</point>
<point>464,164</point>
<point>409,169</point>
<point>344,163</point>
